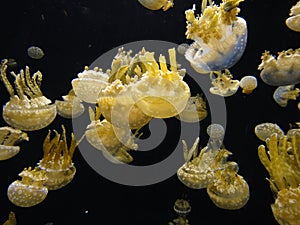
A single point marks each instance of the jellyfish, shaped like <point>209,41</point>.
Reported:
<point>264,130</point>
<point>281,160</point>
<point>160,92</point>
<point>219,36</point>
<point>228,190</point>
<point>194,111</point>
<point>11,219</point>
<point>285,93</point>
<point>35,52</point>
<point>248,84</point>
<point>182,207</point>
<point>223,84</point>
<point>28,109</point>
<point>9,137</point>
<point>30,190</point>
<point>281,71</point>
<point>293,22</point>
<point>70,107</point>
<point>89,83</point>
<point>181,49</point>
<point>157,4</point>
<point>57,160</point>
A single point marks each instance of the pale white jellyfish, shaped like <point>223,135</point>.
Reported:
<point>264,130</point>
<point>285,93</point>
<point>35,52</point>
<point>248,84</point>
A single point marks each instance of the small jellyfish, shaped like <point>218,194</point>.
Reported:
<point>28,109</point>
<point>215,131</point>
<point>70,107</point>
<point>35,52</point>
<point>11,219</point>
<point>219,36</point>
<point>248,84</point>
<point>281,71</point>
<point>157,4</point>
<point>181,49</point>
<point>194,111</point>
<point>89,83</point>
<point>264,130</point>
<point>293,22</point>
<point>8,138</point>
<point>223,84</point>
<point>285,93</point>
<point>182,207</point>
<point>57,160</point>
<point>30,190</point>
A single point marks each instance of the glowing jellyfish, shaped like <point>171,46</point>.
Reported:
<point>248,84</point>
<point>70,107</point>
<point>194,111</point>
<point>223,84</point>
<point>35,52</point>
<point>285,93</point>
<point>11,219</point>
<point>30,190</point>
<point>182,207</point>
<point>264,130</point>
<point>57,160</point>
<point>28,109</point>
<point>89,83</point>
<point>8,138</point>
<point>281,160</point>
<point>293,22</point>
<point>160,92</point>
<point>229,190</point>
<point>219,36</point>
<point>281,71</point>
<point>157,4</point>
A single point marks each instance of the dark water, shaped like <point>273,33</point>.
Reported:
<point>73,34</point>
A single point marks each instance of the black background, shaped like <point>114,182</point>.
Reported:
<point>73,34</point>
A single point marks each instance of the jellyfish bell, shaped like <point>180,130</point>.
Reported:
<point>35,52</point>
<point>264,130</point>
<point>248,84</point>
<point>285,93</point>
<point>293,22</point>
<point>157,4</point>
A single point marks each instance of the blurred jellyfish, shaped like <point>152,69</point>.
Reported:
<point>12,63</point>
<point>285,93</point>
<point>264,130</point>
<point>157,4</point>
<point>293,22</point>
<point>11,219</point>
<point>281,71</point>
<point>248,84</point>
<point>216,134</point>
<point>35,52</point>
<point>181,49</point>
<point>182,207</point>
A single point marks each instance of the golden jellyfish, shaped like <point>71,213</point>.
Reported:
<point>281,71</point>
<point>89,83</point>
<point>229,190</point>
<point>160,92</point>
<point>157,4</point>
<point>264,130</point>
<point>282,161</point>
<point>35,52</point>
<point>293,22</point>
<point>28,109</point>
<point>182,207</point>
<point>9,137</point>
<point>285,93</point>
<point>57,160</point>
<point>30,190</point>
<point>11,219</point>
<point>194,111</point>
<point>248,84</point>
<point>70,107</point>
<point>220,37</point>
<point>223,84</point>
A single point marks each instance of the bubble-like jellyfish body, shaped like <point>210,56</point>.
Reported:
<point>117,106</point>
<point>89,83</point>
<point>30,190</point>
<point>285,93</point>
<point>157,4</point>
<point>219,36</point>
<point>194,111</point>
<point>223,84</point>
<point>35,52</point>
<point>160,92</point>
<point>248,84</point>
<point>215,131</point>
<point>293,22</point>
<point>281,71</point>
<point>11,219</point>
<point>28,109</point>
<point>229,190</point>
<point>9,137</point>
<point>70,107</point>
<point>264,130</point>
<point>57,160</point>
